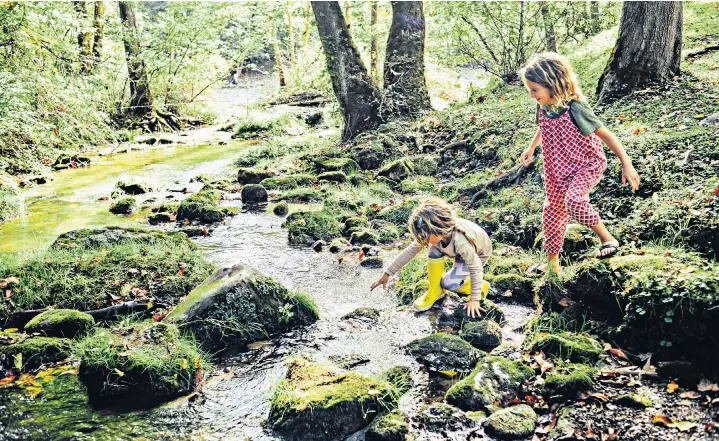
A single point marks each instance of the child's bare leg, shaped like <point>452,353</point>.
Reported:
<point>605,236</point>
<point>552,263</point>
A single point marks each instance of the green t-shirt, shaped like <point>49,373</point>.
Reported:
<point>582,116</point>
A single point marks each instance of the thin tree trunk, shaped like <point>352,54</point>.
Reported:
<point>308,21</point>
<point>291,36</point>
<point>278,54</point>
<point>374,47</point>
<point>357,96</point>
<point>84,38</point>
<point>99,30</point>
<point>520,39</point>
<point>348,14</point>
<point>404,82</point>
<point>594,6</point>
<point>140,96</point>
<point>648,48</point>
<point>548,28</point>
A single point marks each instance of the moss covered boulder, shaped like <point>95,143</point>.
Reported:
<point>31,352</point>
<point>138,365</point>
<point>388,427</point>
<point>398,214</point>
<point>453,313</point>
<point>318,402</point>
<point>484,334</point>
<point>10,200</point>
<point>443,418</point>
<point>281,209</point>
<point>513,287</point>
<point>568,380</point>
<point>515,422</point>
<point>333,176</point>
<point>309,227</point>
<point>355,223</point>
<point>133,188</point>
<point>237,306</point>
<point>287,182</point>
<point>202,206</point>
<point>491,380</point>
<point>124,206</point>
<point>61,323</point>
<point>253,194</point>
<point>566,346</point>
<point>397,170</point>
<point>368,237</point>
<point>445,352</point>
<point>253,176</point>
<point>346,165</point>
<point>160,218</point>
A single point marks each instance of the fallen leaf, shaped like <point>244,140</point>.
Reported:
<point>690,395</point>
<point>707,386</point>
<point>598,396</point>
<point>618,352</point>
<point>119,372</point>
<point>7,380</point>
<point>564,302</point>
<point>672,387</point>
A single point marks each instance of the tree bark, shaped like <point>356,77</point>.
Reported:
<point>140,96</point>
<point>291,36</point>
<point>358,98</point>
<point>594,6</point>
<point>99,30</point>
<point>84,38</point>
<point>374,46</point>
<point>404,82</point>
<point>278,54</point>
<point>648,48</point>
<point>308,21</point>
<point>548,27</point>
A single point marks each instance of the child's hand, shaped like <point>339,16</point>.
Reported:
<point>473,308</point>
<point>630,175</point>
<point>381,281</point>
<point>526,157</point>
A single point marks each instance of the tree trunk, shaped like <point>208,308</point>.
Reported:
<point>548,28</point>
<point>278,54</point>
<point>308,21</point>
<point>404,80</point>
<point>595,17</point>
<point>291,36</point>
<point>348,14</point>
<point>140,96</point>
<point>357,96</point>
<point>374,47</point>
<point>99,30</point>
<point>84,38</point>
<point>648,48</point>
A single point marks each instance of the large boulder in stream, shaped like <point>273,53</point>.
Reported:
<point>253,176</point>
<point>492,379</point>
<point>60,323</point>
<point>31,352</point>
<point>445,352</point>
<point>10,201</point>
<point>253,194</point>
<point>237,306</point>
<point>138,365</point>
<point>202,206</point>
<point>516,422</point>
<point>319,403</point>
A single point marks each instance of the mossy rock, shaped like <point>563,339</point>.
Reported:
<point>354,223</point>
<point>237,306</point>
<point>634,400</point>
<point>388,427</point>
<point>492,379</point>
<point>133,188</point>
<point>445,352</point>
<point>10,200</point>
<point>288,182</point>
<point>577,348</point>
<point>400,377</point>
<point>61,323</point>
<point>253,176</point>
<point>388,233</point>
<point>368,158</point>
<point>368,237</point>
<point>35,351</point>
<point>456,316</point>
<point>578,241</point>
<point>363,314</point>
<point>253,194</point>
<point>317,402</point>
<point>201,206</point>
<point>372,262</point>
<point>124,206</point>
<point>514,422</point>
<point>167,207</point>
<point>338,245</point>
<point>359,180</point>
<point>568,380</point>
<point>485,334</point>
<point>302,194</point>
<point>425,165</point>
<point>518,287</point>
<point>333,176</point>
<point>346,165</point>
<point>398,214</point>
<point>138,365</point>
<point>442,418</point>
<point>281,209</point>
<point>160,218</point>
<point>397,170</point>
<point>421,184</point>
<point>307,228</point>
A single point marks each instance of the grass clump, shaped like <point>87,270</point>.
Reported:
<point>10,201</point>
<point>30,352</point>
<point>569,379</point>
<point>566,345</point>
<point>202,206</point>
<point>421,184</point>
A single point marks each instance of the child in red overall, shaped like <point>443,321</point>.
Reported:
<point>571,138</point>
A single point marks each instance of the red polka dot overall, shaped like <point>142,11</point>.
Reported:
<point>573,164</point>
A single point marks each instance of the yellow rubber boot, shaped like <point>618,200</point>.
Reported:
<point>435,271</point>
<point>466,289</point>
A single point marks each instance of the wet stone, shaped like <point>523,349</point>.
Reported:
<point>123,206</point>
<point>364,314</point>
<point>319,245</point>
<point>195,231</point>
<point>61,323</point>
<point>442,418</point>
<point>485,334</point>
<point>253,176</point>
<point>350,361</point>
<point>133,188</point>
<point>253,194</point>
<point>512,423</point>
<point>388,427</point>
<point>35,350</point>
<point>281,208</point>
<point>372,262</point>
<point>445,352</point>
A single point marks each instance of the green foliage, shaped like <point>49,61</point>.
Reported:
<point>10,201</point>
<point>306,228</point>
<point>31,352</point>
<point>566,345</point>
<point>569,379</point>
<point>124,206</point>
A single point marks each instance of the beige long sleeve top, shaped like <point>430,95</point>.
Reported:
<point>459,246</point>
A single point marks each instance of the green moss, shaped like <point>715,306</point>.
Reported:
<point>484,334</point>
<point>633,400</point>
<point>421,184</point>
<point>10,201</point>
<point>354,223</point>
<point>281,209</point>
<point>124,206</point>
<point>388,233</point>
<point>140,364</point>
<point>332,176</point>
<point>514,422</point>
<point>288,182</point>
<point>202,206</point>
<point>61,323</point>
<point>167,207</point>
<point>303,194</point>
<point>397,170</point>
<point>566,346</point>
<point>160,218</point>
<point>445,352</point>
<point>498,376</point>
<point>398,214</point>
<point>345,165</point>
<point>133,188</point>
<point>368,237</point>
<point>309,227</point>
<point>400,377</point>
<point>425,165</point>
<point>570,379</point>
<point>388,427</point>
<point>518,287</point>
<point>35,350</point>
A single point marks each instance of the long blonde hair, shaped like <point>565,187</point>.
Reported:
<point>435,217</point>
<point>554,72</point>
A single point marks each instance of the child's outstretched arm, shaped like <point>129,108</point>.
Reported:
<point>629,174</point>
<point>527,155</point>
<point>401,260</point>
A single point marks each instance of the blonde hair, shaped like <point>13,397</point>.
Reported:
<point>554,72</point>
<point>435,217</point>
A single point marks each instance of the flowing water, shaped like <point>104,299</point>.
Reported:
<point>235,399</point>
